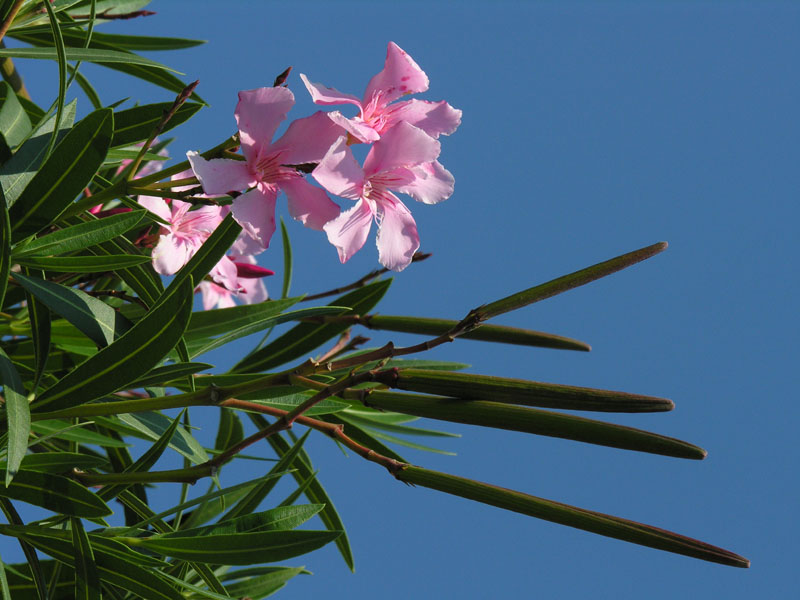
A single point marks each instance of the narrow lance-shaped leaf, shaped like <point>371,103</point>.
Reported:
<point>15,125</point>
<point>83,235</point>
<point>469,386</point>
<point>39,317</point>
<point>564,514</point>
<point>94,55</point>
<point>567,282</point>
<point>16,173</point>
<point>531,420</point>
<point>5,248</point>
<point>287,260</point>
<point>87,578</point>
<point>82,264</point>
<point>64,174</point>
<point>486,333</point>
<point>61,59</point>
<point>56,493</point>
<point>132,355</point>
<point>137,123</point>
<point>17,414</point>
<point>302,339</point>
<point>96,319</point>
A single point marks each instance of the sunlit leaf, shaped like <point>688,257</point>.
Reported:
<point>17,414</point>
<point>56,493</point>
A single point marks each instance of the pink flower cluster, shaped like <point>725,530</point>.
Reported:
<point>403,158</point>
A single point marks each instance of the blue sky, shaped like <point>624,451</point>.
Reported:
<point>589,130</point>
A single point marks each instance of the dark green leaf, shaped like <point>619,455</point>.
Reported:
<point>302,339</point>
<point>40,318</point>
<point>131,356</point>
<point>361,435</point>
<point>142,279</point>
<point>15,125</point>
<point>64,174</point>
<point>96,319</point>
<point>5,248</point>
<point>486,333</point>
<point>17,172</point>
<point>469,386</point>
<point>564,514</point>
<point>4,591</point>
<point>61,59</point>
<point>60,462</point>
<point>261,586</point>
<point>372,419</point>
<point>238,548</point>
<point>283,518</point>
<point>530,420</point>
<point>94,55</point>
<point>162,375</point>
<point>229,431</point>
<point>62,430</point>
<point>82,264</point>
<point>83,235</point>
<point>137,123</point>
<point>154,75</point>
<point>315,493</point>
<point>153,425</point>
<point>17,414</point>
<point>142,43</point>
<point>208,323</point>
<point>87,578</point>
<point>287,260</point>
<point>56,493</point>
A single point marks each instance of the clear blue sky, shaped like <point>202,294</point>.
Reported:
<point>589,129</point>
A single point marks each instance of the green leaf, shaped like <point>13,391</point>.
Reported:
<point>315,493</point>
<point>208,323</point>
<point>162,375</point>
<point>17,414</point>
<point>96,319</point>
<point>302,339</point>
<point>15,125</point>
<point>64,174</point>
<point>59,462</point>
<point>131,356</point>
<point>288,398</point>
<point>361,435</point>
<point>230,430</point>
<point>154,75</point>
<point>153,425</point>
<point>83,235</point>
<point>564,514</point>
<point>137,123</point>
<point>123,573</point>
<point>142,279</point>
<point>237,548</point>
<point>87,578</point>
<point>16,173</point>
<point>4,591</point>
<point>93,55</point>
<point>56,493</point>
<point>141,43</point>
<point>283,518</point>
<point>372,419</point>
<point>61,59</point>
<point>567,282</point>
<point>40,332</point>
<point>469,386</point>
<point>5,248</point>
<point>485,333</point>
<point>264,585</point>
<point>287,260</point>
<point>62,430</point>
<point>82,264</point>
<point>530,420</point>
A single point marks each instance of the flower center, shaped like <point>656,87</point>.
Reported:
<point>270,170</point>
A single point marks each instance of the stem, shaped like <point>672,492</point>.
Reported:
<point>12,14</point>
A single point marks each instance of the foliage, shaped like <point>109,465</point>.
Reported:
<point>96,352</point>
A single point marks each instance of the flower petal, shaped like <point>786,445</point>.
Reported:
<point>253,292</point>
<point>255,212</point>
<point>171,253</point>
<point>356,127</point>
<point>215,296</point>
<point>157,206</point>
<point>321,94</point>
<point>258,114</point>
<point>308,204</point>
<point>307,140</point>
<point>349,230</point>
<point>434,118</point>
<point>221,175</point>
<point>401,146</point>
<point>225,274</point>
<point>339,172</point>
<point>400,76</point>
<point>433,183</point>
<point>397,235</point>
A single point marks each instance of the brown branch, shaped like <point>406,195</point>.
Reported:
<point>12,14</point>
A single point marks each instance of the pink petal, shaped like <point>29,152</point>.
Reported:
<point>434,118</point>
<point>246,244</point>
<point>433,183</point>
<point>339,172</point>
<point>401,146</point>
<point>171,253</point>
<point>258,114</point>
<point>255,212</point>
<point>157,206</point>
<point>221,175</point>
<point>307,140</point>
<point>225,274</point>
<point>400,76</point>
<point>215,296</point>
<point>321,94</point>
<point>357,128</point>
<point>349,230</point>
<point>308,204</point>
<point>397,236</point>
<point>253,292</point>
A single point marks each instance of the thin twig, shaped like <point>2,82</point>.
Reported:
<point>12,14</point>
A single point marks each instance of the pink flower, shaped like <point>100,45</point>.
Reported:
<point>251,288</point>
<point>400,76</point>
<point>263,172</point>
<point>404,159</point>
